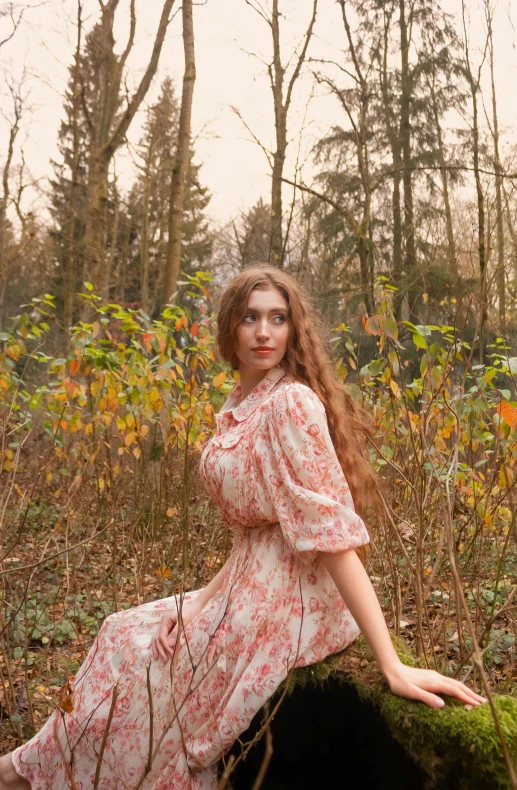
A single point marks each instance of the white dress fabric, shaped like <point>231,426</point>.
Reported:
<point>273,472</point>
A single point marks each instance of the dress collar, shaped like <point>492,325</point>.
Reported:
<point>241,410</point>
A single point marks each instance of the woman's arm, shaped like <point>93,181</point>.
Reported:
<point>212,587</point>
<point>357,591</point>
<point>163,642</point>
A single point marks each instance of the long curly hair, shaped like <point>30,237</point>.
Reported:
<point>307,359</point>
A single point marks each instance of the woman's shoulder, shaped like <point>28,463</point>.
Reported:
<point>291,393</point>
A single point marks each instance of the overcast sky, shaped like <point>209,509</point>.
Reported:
<point>231,40</point>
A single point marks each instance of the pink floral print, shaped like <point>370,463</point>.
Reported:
<point>273,472</point>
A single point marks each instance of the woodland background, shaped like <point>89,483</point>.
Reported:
<point>400,219</point>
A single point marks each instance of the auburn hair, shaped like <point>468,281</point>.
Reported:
<point>308,360</point>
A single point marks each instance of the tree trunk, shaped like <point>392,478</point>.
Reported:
<point>69,260</point>
<point>474,88</point>
<point>407,174</point>
<point>114,234</point>
<point>6,258</point>
<point>144,248</point>
<point>451,243</point>
<point>277,242</point>
<point>365,243</point>
<point>500,272</point>
<point>109,129</point>
<point>394,140</point>
<point>281,108</point>
<point>181,162</point>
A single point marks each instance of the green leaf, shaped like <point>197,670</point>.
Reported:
<point>419,341</point>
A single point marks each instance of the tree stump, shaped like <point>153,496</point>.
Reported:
<point>339,725</point>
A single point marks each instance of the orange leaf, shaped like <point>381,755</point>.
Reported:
<point>74,366</point>
<point>67,695</point>
<point>508,413</point>
<point>147,337</point>
<point>371,324</point>
<point>194,329</point>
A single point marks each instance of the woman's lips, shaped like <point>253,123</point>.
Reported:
<point>263,351</point>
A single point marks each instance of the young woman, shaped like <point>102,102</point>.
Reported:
<point>168,686</point>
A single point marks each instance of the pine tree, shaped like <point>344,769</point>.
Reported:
<point>149,201</point>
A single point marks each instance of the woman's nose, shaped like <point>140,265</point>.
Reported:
<point>263,330</point>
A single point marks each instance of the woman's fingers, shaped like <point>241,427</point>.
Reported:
<point>171,639</point>
<point>159,643</point>
<point>163,637</point>
<point>456,688</point>
<point>440,684</point>
<point>417,692</point>
<point>158,651</point>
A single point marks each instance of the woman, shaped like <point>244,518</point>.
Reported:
<point>168,686</point>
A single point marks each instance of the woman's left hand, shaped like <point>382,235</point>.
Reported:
<point>426,684</point>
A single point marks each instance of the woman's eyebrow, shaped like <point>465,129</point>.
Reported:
<point>273,310</point>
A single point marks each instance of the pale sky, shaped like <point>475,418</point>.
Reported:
<point>226,32</point>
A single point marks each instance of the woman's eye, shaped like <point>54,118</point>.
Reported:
<point>282,318</point>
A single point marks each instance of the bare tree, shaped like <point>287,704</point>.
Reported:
<point>281,102</point>
<point>179,172</point>
<point>406,26</point>
<point>499,220</point>
<point>14,12</point>
<point>473,80</point>
<point>9,249</point>
<point>69,258</point>
<point>108,129</point>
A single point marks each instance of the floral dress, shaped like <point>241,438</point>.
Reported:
<point>272,471</point>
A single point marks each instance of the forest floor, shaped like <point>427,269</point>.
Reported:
<point>62,603</point>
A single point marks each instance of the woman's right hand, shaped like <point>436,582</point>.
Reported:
<point>163,641</point>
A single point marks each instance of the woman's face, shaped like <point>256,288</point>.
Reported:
<point>265,323</point>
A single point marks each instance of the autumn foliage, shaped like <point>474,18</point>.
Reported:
<point>102,509</point>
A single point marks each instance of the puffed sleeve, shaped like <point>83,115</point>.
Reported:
<point>309,491</point>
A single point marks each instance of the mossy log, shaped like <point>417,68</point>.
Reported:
<point>452,747</point>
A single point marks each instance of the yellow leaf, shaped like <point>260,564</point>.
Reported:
<point>121,424</point>
<point>395,388</point>
<point>219,380</point>
<point>144,430</point>
<point>130,420</point>
<point>130,438</point>
<point>163,572</point>
<point>506,477</point>
<point>89,429</point>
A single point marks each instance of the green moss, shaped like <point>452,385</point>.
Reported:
<point>459,745</point>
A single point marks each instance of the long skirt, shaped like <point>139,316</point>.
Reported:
<point>138,722</point>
